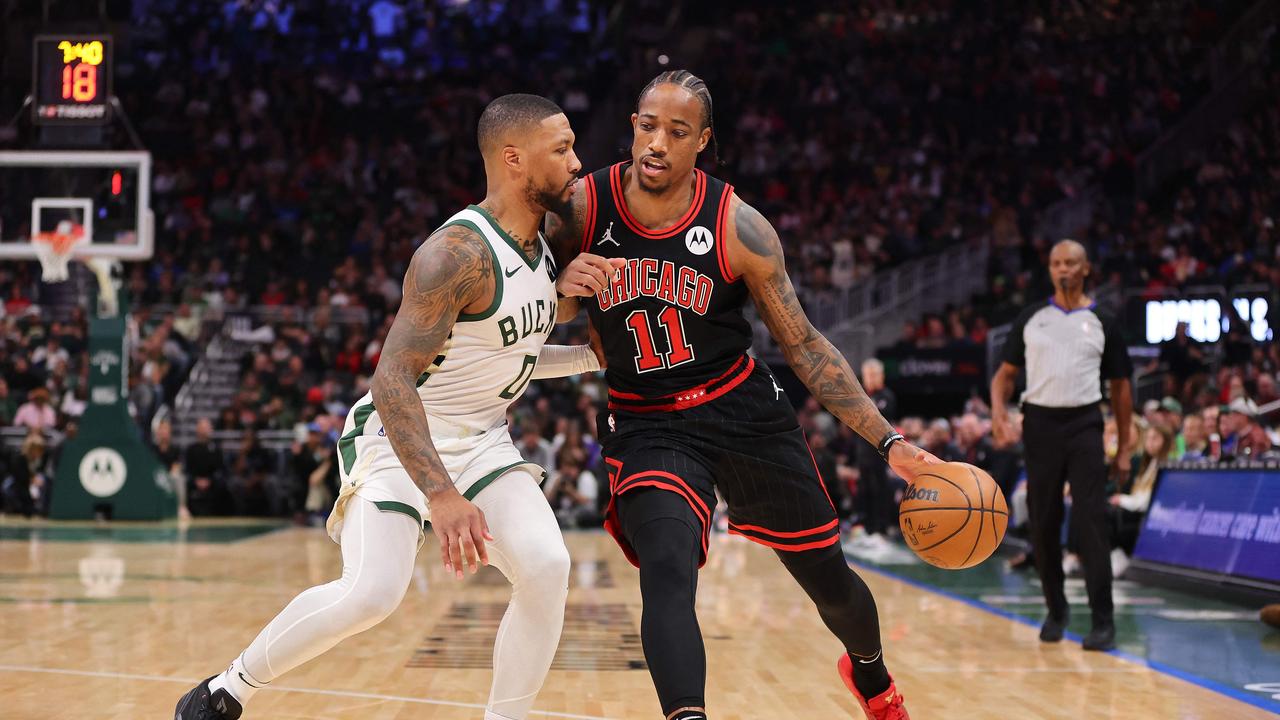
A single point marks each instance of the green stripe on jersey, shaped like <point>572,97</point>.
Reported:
<point>488,479</point>
<point>426,374</point>
<point>347,444</point>
<point>497,276</point>
<point>531,262</point>
<point>399,507</point>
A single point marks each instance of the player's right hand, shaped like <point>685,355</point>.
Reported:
<point>587,275</point>
<point>461,528</point>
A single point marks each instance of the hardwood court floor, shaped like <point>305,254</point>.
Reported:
<point>115,627</point>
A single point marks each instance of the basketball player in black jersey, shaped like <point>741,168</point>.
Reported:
<point>690,411</point>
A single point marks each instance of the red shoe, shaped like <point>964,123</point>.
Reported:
<point>885,706</point>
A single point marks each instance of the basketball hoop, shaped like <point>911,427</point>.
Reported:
<point>54,249</point>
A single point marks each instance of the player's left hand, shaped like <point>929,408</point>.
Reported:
<point>907,459</point>
<point>587,275</point>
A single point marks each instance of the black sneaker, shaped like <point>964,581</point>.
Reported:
<point>200,704</point>
<point>1052,629</point>
<point>1102,638</point>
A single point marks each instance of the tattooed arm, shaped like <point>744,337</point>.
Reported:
<point>582,274</point>
<point>452,271</point>
<point>755,253</point>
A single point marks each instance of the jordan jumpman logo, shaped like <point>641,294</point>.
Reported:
<point>608,236</point>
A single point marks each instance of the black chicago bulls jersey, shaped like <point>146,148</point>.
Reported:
<point>671,321</point>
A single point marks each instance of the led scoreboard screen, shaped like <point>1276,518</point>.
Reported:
<point>72,83</point>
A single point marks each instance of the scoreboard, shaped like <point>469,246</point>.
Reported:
<point>72,80</point>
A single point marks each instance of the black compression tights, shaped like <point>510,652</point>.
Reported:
<point>847,609</point>
<point>664,532</point>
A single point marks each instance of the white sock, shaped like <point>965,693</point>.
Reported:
<point>529,549</point>
<point>238,681</point>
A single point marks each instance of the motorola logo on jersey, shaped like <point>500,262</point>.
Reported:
<point>699,240</point>
<point>647,277</point>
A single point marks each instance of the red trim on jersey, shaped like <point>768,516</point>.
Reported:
<point>798,534</point>
<point>634,480</point>
<point>620,201</point>
<point>686,399</point>
<point>835,538</point>
<point>614,470</point>
<point>589,227</point>
<point>722,252</point>
<point>657,479</point>
<point>816,471</point>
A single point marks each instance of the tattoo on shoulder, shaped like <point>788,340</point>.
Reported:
<point>452,268</point>
<point>755,233</point>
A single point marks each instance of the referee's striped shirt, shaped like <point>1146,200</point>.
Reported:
<point>1067,353</point>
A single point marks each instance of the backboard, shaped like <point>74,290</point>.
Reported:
<point>106,196</point>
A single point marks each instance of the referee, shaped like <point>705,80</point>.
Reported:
<point>1068,347</point>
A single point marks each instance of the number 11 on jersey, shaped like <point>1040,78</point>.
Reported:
<point>648,358</point>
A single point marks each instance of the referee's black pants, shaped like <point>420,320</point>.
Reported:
<point>1065,445</point>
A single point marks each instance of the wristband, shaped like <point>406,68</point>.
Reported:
<point>887,442</point>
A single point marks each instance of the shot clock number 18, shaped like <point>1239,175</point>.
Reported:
<point>72,79</point>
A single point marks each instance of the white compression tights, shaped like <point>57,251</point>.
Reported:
<point>378,551</point>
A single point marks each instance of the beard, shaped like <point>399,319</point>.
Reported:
<point>549,196</point>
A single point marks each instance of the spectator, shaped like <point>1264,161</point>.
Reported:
<point>1195,440</point>
<point>25,488</point>
<point>874,502</point>
<point>1242,436</point>
<point>826,462</point>
<point>971,441</point>
<point>202,465</point>
<point>937,440</point>
<point>251,466</point>
<point>1130,506</point>
<point>162,445</point>
<point>315,473</point>
<point>536,449</point>
<point>1184,361</point>
<point>573,491</point>
<point>1169,417</point>
<point>36,413</point>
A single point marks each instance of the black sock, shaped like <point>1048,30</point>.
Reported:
<point>871,678</point>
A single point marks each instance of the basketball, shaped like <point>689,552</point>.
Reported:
<point>953,516</point>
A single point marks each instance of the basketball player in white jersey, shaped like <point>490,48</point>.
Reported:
<point>430,441</point>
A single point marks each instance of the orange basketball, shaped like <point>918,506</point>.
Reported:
<point>953,515</point>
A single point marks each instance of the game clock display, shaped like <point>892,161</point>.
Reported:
<point>72,84</point>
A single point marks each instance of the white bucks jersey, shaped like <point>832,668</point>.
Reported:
<point>489,357</point>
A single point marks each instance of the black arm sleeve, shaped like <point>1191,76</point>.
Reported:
<point>1116,364</point>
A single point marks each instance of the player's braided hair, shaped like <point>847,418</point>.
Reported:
<point>696,87</point>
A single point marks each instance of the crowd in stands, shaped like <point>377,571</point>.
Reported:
<point>876,132</point>
<point>306,147</point>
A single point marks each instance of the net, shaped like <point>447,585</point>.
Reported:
<point>54,249</point>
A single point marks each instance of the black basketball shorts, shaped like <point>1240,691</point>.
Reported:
<point>737,434</point>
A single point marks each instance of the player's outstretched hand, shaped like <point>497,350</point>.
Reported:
<point>907,459</point>
<point>462,531</point>
<point>587,275</point>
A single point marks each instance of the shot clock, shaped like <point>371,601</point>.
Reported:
<point>72,84</point>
